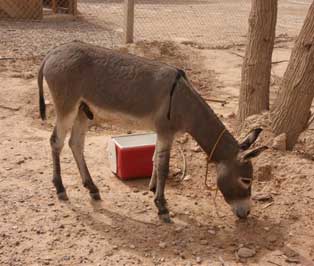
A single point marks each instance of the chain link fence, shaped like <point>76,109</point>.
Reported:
<point>208,23</point>
<point>31,27</point>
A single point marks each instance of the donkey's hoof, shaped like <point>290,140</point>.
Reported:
<point>95,196</point>
<point>63,196</point>
<point>165,218</point>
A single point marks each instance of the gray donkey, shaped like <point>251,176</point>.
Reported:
<point>87,81</point>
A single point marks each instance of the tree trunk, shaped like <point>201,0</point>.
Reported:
<point>292,106</point>
<point>256,68</point>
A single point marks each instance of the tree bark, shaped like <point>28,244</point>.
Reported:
<point>256,68</point>
<point>292,105</point>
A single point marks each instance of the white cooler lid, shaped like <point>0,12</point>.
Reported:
<point>135,140</point>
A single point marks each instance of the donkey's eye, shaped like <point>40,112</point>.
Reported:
<point>246,182</point>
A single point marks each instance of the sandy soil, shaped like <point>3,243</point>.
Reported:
<point>123,229</point>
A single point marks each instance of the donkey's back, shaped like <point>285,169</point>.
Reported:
<point>105,80</point>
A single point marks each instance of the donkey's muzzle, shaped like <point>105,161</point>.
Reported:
<point>241,208</point>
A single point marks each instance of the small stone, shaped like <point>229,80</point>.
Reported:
<point>272,238</point>
<point>264,173</point>
<point>293,216</point>
<point>172,214</point>
<point>293,260</point>
<point>178,229</point>
<point>263,197</point>
<point>246,252</point>
<point>277,253</point>
<point>199,260</point>
<point>115,247</point>
<point>231,115</point>
<point>135,190</point>
<point>28,75</point>
<point>144,193</point>
<point>162,244</point>
<point>187,178</point>
<point>280,142</point>
<point>204,242</point>
<point>290,253</point>
<point>196,148</point>
<point>212,232</point>
<point>132,246</point>
<point>184,139</point>
<point>176,252</point>
<point>176,171</point>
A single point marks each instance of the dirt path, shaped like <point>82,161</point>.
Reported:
<point>123,229</point>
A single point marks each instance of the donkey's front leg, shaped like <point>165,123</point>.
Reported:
<point>162,168</point>
<point>153,179</point>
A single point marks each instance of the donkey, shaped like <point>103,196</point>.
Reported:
<point>87,81</point>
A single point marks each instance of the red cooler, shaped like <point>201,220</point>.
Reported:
<point>131,156</point>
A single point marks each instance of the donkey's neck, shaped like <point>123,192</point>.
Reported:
<point>206,128</point>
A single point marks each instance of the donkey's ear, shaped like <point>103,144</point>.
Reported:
<point>254,153</point>
<point>250,139</point>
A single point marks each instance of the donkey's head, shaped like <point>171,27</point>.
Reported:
<point>234,178</point>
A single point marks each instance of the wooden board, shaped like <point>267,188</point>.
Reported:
<point>21,9</point>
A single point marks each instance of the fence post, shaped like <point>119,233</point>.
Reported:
<point>73,7</point>
<point>128,21</point>
<point>54,6</point>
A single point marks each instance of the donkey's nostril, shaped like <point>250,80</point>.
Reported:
<point>242,213</point>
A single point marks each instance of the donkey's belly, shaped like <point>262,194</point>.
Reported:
<point>123,120</point>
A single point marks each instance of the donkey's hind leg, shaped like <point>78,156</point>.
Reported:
<point>76,144</point>
<point>57,142</point>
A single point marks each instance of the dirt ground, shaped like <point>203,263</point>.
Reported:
<point>123,229</point>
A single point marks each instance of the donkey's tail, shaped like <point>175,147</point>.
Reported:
<point>42,104</point>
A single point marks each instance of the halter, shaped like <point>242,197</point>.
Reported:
<point>209,158</point>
